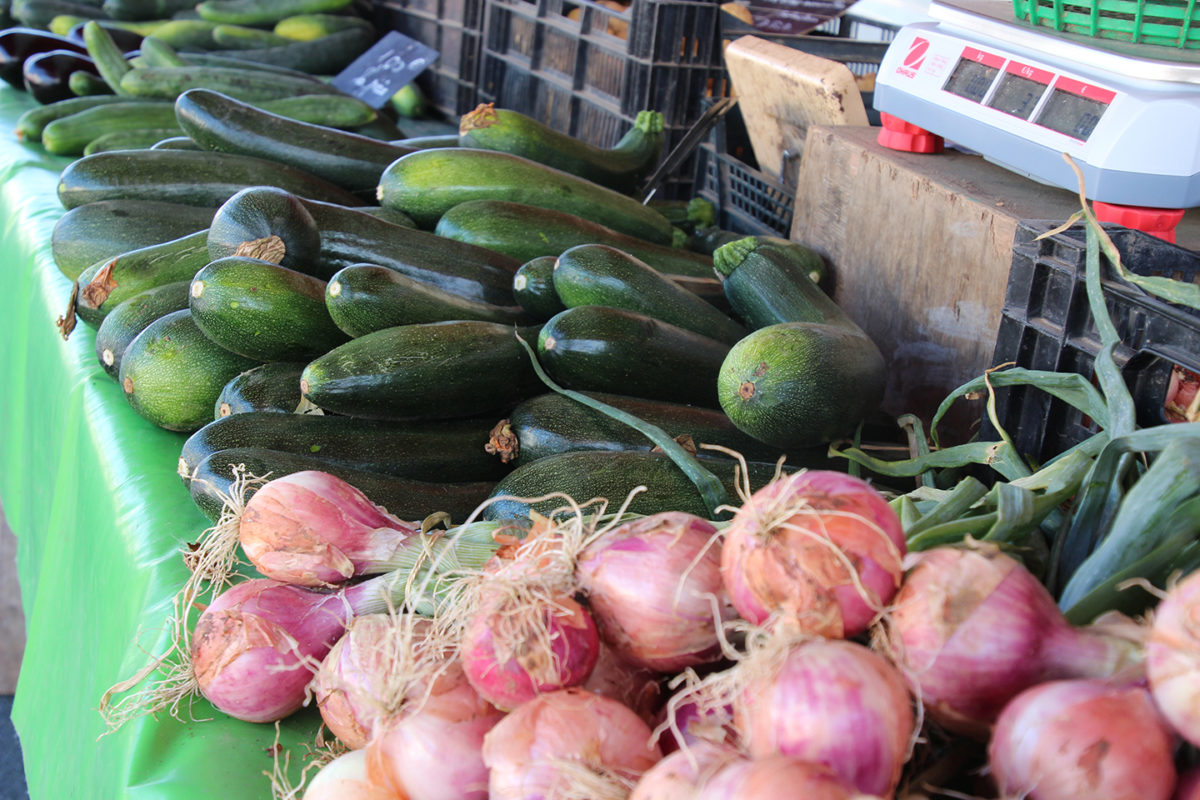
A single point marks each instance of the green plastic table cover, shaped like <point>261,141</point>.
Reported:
<point>90,490</point>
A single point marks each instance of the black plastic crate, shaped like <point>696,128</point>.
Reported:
<point>455,29</point>
<point>1046,324</point>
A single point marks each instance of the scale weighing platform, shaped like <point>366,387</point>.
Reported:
<point>1021,96</point>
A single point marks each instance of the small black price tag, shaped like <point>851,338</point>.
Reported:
<point>384,68</point>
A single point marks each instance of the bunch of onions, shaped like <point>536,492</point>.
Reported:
<point>973,628</point>
<point>569,744</point>
<point>828,701</point>
<point>654,587</point>
<point>819,547</point>
<point>1173,657</point>
<point>775,777</point>
<point>680,775</point>
<point>1068,739</point>
<point>345,778</point>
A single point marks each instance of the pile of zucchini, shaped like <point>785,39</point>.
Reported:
<point>309,298</point>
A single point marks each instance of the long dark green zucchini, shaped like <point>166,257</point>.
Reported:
<point>446,450</point>
<point>621,167</point>
<point>131,317</point>
<point>110,281</point>
<point>533,287</point>
<point>604,349</point>
<point>425,184</point>
<point>427,371</point>
<point>220,123</point>
<point>274,386</point>
<point>406,498</point>
<point>769,282</point>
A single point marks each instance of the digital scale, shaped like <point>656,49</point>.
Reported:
<point>1021,96</point>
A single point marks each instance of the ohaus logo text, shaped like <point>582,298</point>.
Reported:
<point>914,58</point>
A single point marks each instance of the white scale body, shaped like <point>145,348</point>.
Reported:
<point>1126,114</point>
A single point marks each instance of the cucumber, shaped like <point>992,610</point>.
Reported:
<point>533,287</point>
<point>271,387</point>
<point>183,176</point>
<point>332,110</point>
<point>31,123</point>
<point>186,34</point>
<point>134,10</point>
<point>108,58</point>
<point>40,13</point>
<point>526,232</point>
<point>446,450</point>
<point>604,349</point>
<point>405,498</point>
<point>425,371</point>
<point>221,123</point>
<point>172,373</point>
<point>154,52</point>
<point>328,55</point>
<point>263,311</point>
<point>362,298</point>
<point>307,27</point>
<point>599,275</point>
<point>587,474</point>
<point>243,83</point>
<point>411,103</point>
<point>263,12</point>
<point>131,317</point>
<point>270,224</point>
<point>84,84</point>
<point>622,167</point>
<point>425,184</point>
<point>69,135</point>
<point>98,231</point>
<point>242,37</point>
<point>109,282</point>
<point>552,423</point>
<point>136,139</point>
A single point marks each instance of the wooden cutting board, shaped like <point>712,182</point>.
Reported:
<point>783,92</point>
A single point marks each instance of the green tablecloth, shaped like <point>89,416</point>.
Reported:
<point>90,490</point>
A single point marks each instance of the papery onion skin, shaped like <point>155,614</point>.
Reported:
<point>509,673</point>
<point>787,551</point>
<point>1173,658</point>
<point>651,584</point>
<point>1084,738</point>
<point>694,724</point>
<point>345,778</point>
<point>680,775</point>
<point>525,750</point>
<point>250,646</point>
<point>832,702</point>
<point>776,777</point>
<point>347,686</point>
<point>974,628</point>
<point>311,528</point>
<point>636,687</point>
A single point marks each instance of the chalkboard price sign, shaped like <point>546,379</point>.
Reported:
<point>386,66</point>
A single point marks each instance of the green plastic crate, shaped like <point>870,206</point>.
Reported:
<point>1171,23</point>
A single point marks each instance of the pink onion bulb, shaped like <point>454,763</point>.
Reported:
<point>436,752</point>
<point>1188,787</point>
<point>1085,738</point>
<point>973,627</point>
<point>636,687</point>
<point>680,775</point>
<point>821,548</point>
<point>345,778</point>
<point>832,702</point>
<point>654,587</point>
<point>1173,657</point>
<point>776,777</point>
<point>313,529</point>
<point>567,741</point>
<point>686,722</point>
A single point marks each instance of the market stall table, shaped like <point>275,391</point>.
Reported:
<point>100,516</point>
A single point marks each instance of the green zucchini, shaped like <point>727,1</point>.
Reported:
<point>332,110</point>
<point>604,349</point>
<point>69,135</point>
<point>553,423</point>
<point>622,167</point>
<point>137,139</point>
<point>267,223</point>
<point>172,373</point>
<point>688,215</point>
<point>585,475</point>
<point>175,143</point>
<point>526,232</point>
<point>443,450</point>
<point>362,298</point>
<point>406,498</point>
<point>131,317</point>
<point>429,141</point>
<point>243,83</point>
<point>97,231</point>
<point>533,287</point>
<point>271,387</point>
<point>328,55</point>
<point>599,275</point>
<point>263,311</point>
<point>221,123</point>
<point>31,123</point>
<point>425,371</point>
<point>804,259</point>
<point>263,12</point>
<point>111,281</point>
<point>767,284</point>
<point>183,176</point>
<point>425,184</point>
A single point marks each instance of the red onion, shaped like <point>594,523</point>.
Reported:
<point>568,744</point>
<point>345,778</point>
<point>832,702</point>
<point>1173,657</point>
<point>313,529</point>
<point>654,588</point>
<point>689,721</point>
<point>821,548</point>
<point>635,687</point>
<point>972,627</point>
<point>681,774</point>
<point>776,777</point>
<point>1086,738</point>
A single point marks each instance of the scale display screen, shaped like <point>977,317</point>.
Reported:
<point>971,79</point>
<point>1017,95</point>
<point>1072,114</point>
